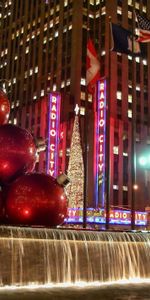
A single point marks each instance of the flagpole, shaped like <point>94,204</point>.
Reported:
<point>86,129</point>
<point>108,134</point>
<point>133,152</point>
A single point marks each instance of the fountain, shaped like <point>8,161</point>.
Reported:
<point>53,256</point>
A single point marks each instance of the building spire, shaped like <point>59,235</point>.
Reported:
<point>77,109</point>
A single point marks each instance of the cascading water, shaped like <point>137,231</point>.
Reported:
<point>41,256</point>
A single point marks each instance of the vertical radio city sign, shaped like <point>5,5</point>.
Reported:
<point>54,102</point>
<point>100,142</point>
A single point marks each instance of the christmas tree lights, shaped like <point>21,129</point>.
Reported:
<point>76,167</point>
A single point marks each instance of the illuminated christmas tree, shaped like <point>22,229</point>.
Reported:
<point>76,167</point>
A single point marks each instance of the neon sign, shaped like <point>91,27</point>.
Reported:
<point>100,142</point>
<point>53,134</point>
<point>98,216</point>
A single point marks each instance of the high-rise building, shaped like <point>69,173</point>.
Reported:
<point>43,49</point>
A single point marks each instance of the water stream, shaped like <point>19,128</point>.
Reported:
<point>54,256</point>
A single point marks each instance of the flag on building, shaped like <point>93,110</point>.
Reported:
<point>122,41</point>
<point>144,29</point>
<point>92,67</point>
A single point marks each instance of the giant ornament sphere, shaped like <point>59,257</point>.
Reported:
<point>1,205</point>
<point>4,108</point>
<point>36,199</point>
<point>17,152</point>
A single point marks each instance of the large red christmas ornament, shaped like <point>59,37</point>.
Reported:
<point>4,108</point>
<point>36,199</point>
<point>17,152</point>
<point>1,205</point>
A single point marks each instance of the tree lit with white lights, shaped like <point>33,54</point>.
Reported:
<point>76,167</point>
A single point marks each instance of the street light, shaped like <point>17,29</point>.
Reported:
<point>144,161</point>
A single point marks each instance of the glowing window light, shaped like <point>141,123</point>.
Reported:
<point>119,95</point>
<point>103,10</point>
<point>56,34</point>
<point>36,69</point>
<point>119,10</point>
<point>68,82</point>
<point>91,16</point>
<point>130,98</point>
<point>125,154</point>
<point>138,88</point>
<point>65,2</point>
<point>129,14</point>
<point>83,82</point>
<point>62,84</point>
<point>129,113</point>
<point>144,62</point>
<point>54,87</point>
<point>31,72</point>
<point>137,5</point>
<point>82,95</point>
<point>57,7</point>
<point>115,187</point>
<point>103,53</point>
<point>115,150</point>
<point>90,98</point>
<point>125,188</point>
<point>82,110</point>
<point>42,93</point>
<point>137,59</point>
<point>15,121</point>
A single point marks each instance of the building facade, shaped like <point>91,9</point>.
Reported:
<point>43,49</point>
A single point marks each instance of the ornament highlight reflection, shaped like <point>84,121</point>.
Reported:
<point>4,108</point>
<point>36,199</point>
<point>17,152</point>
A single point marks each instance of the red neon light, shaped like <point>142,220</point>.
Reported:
<point>54,132</point>
<point>114,214</point>
<point>101,102</point>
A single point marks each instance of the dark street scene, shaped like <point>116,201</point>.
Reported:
<point>74,149</point>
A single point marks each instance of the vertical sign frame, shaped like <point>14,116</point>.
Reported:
<point>100,143</point>
<point>52,155</point>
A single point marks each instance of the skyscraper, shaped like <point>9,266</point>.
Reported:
<point>43,48</point>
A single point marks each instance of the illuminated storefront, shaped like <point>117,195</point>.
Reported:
<point>97,216</point>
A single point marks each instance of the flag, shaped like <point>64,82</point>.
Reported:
<point>92,67</point>
<point>122,41</point>
<point>144,29</point>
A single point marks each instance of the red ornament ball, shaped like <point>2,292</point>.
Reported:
<point>4,108</point>
<point>36,199</point>
<point>1,205</point>
<point>17,152</point>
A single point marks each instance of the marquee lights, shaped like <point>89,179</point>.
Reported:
<point>100,142</point>
<point>98,216</point>
<point>53,134</point>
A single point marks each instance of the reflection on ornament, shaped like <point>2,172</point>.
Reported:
<point>17,152</point>
<point>1,205</point>
<point>36,199</point>
<point>4,108</point>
